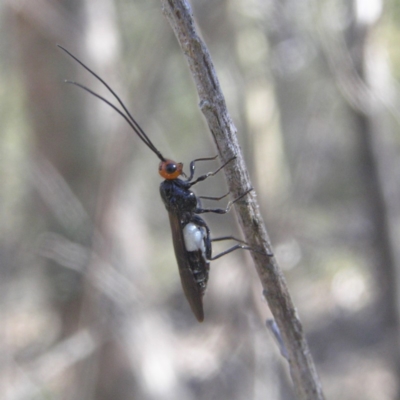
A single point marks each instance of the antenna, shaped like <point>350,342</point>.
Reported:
<point>127,115</point>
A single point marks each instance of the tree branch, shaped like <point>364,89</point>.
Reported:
<point>212,104</point>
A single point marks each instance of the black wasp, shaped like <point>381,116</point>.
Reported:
<point>190,234</point>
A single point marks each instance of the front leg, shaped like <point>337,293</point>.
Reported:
<point>205,176</point>
<point>192,166</point>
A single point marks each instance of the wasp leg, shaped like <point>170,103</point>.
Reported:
<point>236,247</point>
<point>209,198</point>
<point>228,238</point>
<point>192,167</point>
<point>205,176</point>
<point>213,198</point>
<point>222,210</point>
<point>245,247</point>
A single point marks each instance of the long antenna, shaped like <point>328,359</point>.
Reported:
<point>128,116</point>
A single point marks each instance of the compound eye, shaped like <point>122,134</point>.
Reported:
<point>169,169</point>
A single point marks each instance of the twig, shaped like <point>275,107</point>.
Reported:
<point>212,104</point>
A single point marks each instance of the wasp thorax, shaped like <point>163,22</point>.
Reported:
<point>170,169</point>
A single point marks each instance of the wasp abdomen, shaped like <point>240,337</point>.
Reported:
<point>194,237</point>
<point>199,269</point>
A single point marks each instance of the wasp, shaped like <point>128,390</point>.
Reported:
<point>190,234</point>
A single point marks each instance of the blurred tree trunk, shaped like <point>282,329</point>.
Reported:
<point>62,138</point>
<point>65,174</point>
<point>377,162</point>
<point>58,128</point>
<point>374,151</point>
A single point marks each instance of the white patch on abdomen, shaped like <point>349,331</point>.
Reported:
<point>193,236</point>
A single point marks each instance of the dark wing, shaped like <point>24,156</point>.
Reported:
<point>187,263</point>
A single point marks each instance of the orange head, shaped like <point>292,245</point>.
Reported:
<point>170,169</point>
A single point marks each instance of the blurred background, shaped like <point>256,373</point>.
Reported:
<point>91,305</point>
